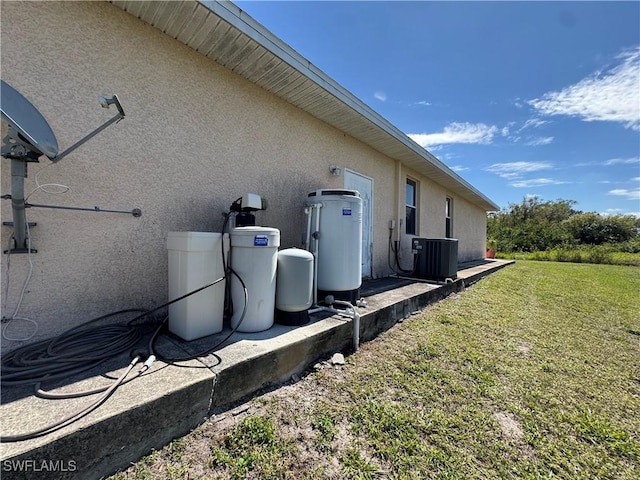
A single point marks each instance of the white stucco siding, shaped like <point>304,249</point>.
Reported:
<point>195,137</point>
<point>469,221</point>
<point>469,226</point>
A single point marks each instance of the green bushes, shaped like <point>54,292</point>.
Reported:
<point>553,230</point>
<point>595,229</point>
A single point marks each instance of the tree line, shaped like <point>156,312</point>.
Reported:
<point>535,225</point>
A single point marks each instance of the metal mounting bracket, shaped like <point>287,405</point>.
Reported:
<point>19,249</point>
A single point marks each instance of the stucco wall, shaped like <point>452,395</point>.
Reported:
<point>468,220</point>
<point>196,136</point>
<point>469,227</point>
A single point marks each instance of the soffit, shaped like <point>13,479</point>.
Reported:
<point>230,37</point>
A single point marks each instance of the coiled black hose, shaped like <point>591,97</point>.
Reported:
<point>78,349</point>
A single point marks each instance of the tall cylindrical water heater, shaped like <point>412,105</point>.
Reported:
<point>336,231</point>
<point>254,257</point>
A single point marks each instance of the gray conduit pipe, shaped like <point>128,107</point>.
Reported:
<point>18,172</point>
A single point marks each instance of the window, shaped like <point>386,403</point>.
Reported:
<point>412,207</point>
<point>448,215</point>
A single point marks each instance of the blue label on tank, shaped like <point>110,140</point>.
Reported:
<point>260,241</point>
<point>346,211</point>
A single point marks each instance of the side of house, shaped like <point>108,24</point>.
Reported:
<point>196,136</point>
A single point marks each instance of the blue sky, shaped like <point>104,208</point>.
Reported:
<point>519,98</point>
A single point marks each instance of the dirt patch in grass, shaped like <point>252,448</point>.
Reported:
<point>511,428</point>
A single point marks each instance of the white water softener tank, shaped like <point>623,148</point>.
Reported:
<point>294,286</point>
<point>195,260</point>
<point>336,229</point>
<point>254,257</point>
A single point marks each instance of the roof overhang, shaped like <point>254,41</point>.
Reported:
<point>226,34</point>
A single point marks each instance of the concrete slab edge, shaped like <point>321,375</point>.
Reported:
<point>243,379</point>
<point>114,443</point>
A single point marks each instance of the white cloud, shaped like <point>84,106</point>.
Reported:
<point>517,169</point>
<point>532,123</point>
<point>459,168</point>
<point>514,171</point>
<point>620,161</point>
<point>457,133</point>
<point>635,179</point>
<point>536,182</point>
<point>540,141</point>
<point>612,95</point>
<point>424,103</point>
<point>619,211</point>
<point>633,194</point>
<point>380,96</point>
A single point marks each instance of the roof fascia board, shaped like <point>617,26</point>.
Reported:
<point>257,32</point>
<point>235,16</point>
<point>243,23</point>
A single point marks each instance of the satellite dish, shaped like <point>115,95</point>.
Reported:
<point>28,123</point>
<point>29,136</point>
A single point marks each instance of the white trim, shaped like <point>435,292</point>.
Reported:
<point>257,32</point>
<point>371,216</point>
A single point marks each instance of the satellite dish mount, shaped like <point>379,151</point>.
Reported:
<point>28,137</point>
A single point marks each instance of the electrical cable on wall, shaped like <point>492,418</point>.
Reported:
<point>12,318</point>
<point>44,186</point>
<point>395,251</point>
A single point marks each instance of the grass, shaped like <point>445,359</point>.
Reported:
<point>532,373</point>
<point>599,254</point>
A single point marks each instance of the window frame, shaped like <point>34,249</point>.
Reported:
<point>411,224</point>
<point>448,217</point>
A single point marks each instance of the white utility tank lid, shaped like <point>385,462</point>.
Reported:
<point>193,241</point>
<point>294,252</point>
<point>255,237</point>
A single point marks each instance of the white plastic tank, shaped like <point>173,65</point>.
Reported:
<point>294,285</point>
<point>195,260</point>
<point>254,257</point>
<point>339,239</point>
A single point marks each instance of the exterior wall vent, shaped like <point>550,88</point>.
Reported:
<point>436,258</point>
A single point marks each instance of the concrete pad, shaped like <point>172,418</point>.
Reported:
<point>141,415</point>
<point>169,400</point>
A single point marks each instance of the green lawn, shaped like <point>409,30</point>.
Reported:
<point>585,254</point>
<point>533,372</point>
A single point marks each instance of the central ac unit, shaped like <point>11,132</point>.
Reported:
<point>436,258</point>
